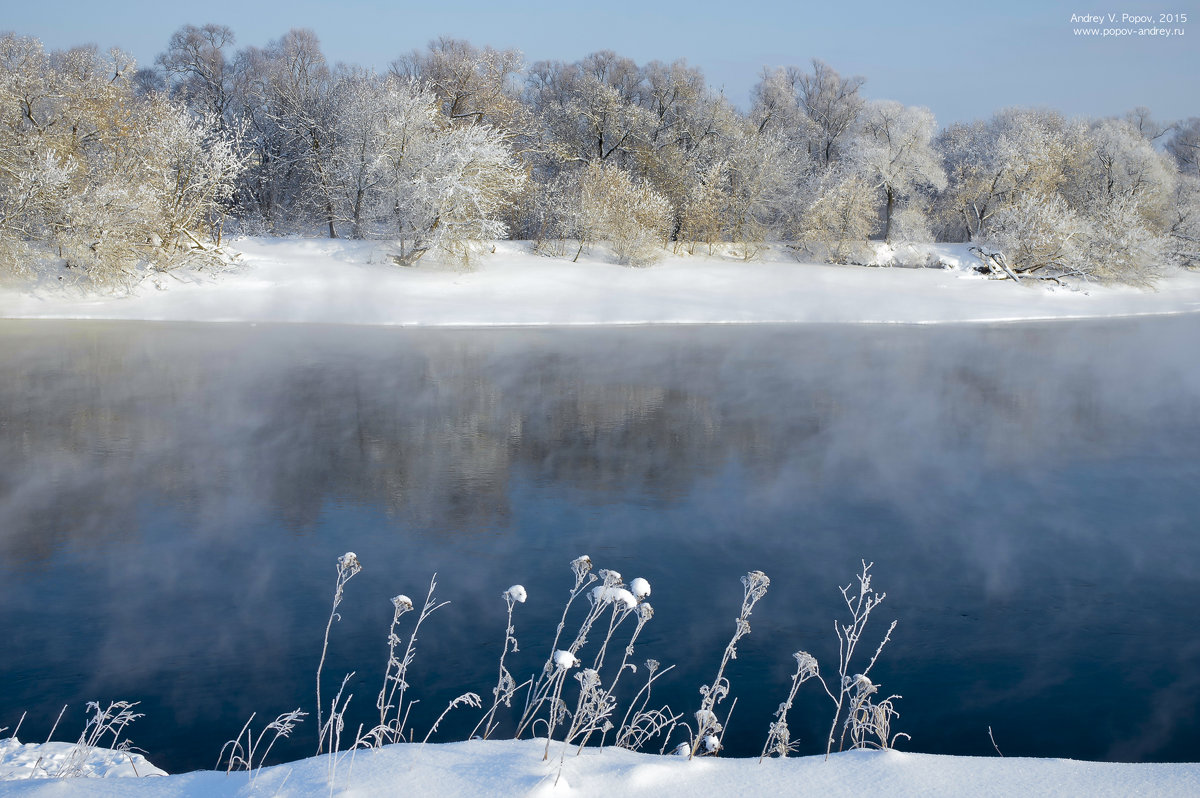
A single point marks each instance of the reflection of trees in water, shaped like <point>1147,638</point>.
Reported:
<point>435,427</point>
<point>104,423</point>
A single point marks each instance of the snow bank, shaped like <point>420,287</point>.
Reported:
<point>22,761</point>
<point>354,282</point>
<point>512,768</point>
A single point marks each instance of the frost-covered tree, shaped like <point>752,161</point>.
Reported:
<point>400,169</point>
<point>1184,229</point>
<point>98,177</point>
<point>285,95</point>
<point>694,128</point>
<point>602,204</point>
<point>1144,123</point>
<point>472,84</point>
<point>893,143</point>
<point>1119,163</point>
<point>818,108</point>
<point>1184,146</point>
<point>198,69</point>
<point>1037,233</point>
<point>1120,245</point>
<point>747,195</point>
<point>775,105</point>
<point>837,213</point>
<point>992,164</point>
<point>457,195</point>
<point>591,109</point>
<point>832,104</point>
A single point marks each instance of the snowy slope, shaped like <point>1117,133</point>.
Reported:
<point>515,768</point>
<point>315,280</point>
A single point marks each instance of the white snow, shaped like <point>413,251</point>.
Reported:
<point>565,659</point>
<point>516,593</point>
<point>608,594</point>
<point>354,282</point>
<point>640,587</point>
<point>21,761</point>
<point>515,768</point>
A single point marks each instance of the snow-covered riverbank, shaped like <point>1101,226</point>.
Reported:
<point>516,768</point>
<point>323,281</point>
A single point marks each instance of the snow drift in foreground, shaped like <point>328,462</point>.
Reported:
<point>20,761</point>
<point>355,282</point>
<point>515,767</point>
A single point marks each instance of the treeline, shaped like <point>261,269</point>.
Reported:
<point>112,169</point>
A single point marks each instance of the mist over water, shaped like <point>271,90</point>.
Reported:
<point>173,498</point>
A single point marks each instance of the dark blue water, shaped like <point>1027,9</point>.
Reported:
<point>173,499</point>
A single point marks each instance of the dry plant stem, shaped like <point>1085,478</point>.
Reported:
<point>110,720</point>
<point>234,746</point>
<point>541,687</point>
<point>754,587</point>
<point>488,720</point>
<point>332,730</point>
<point>17,730</point>
<point>430,606</point>
<point>589,725</point>
<point>779,738</point>
<point>61,712</point>
<point>246,756</point>
<point>560,676</point>
<point>470,699</point>
<point>619,614</point>
<point>400,605</point>
<point>347,567</point>
<point>848,635</point>
<point>600,600</point>
<point>631,734</point>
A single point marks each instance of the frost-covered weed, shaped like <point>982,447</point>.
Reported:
<point>347,567</point>
<point>596,702</point>
<point>860,604</point>
<point>246,752</point>
<point>541,687</point>
<point>640,725</point>
<point>393,712</point>
<point>104,722</point>
<point>779,739</point>
<point>506,686</point>
<point>867,719</point>
<point>754,587</point>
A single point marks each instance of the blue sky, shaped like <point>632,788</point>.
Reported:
<point>962,59</point>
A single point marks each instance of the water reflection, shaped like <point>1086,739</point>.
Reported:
<point>173,497</point>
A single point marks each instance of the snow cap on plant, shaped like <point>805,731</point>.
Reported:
<point>606,594</point>
<point>515,593</point>
<point>565,659</point>
<point>707,719</point>
<point>402,603</point>
<point>349,562</point>
<point>640,588</point>
<point>862,684</point>
<point>581,565</point>
<point>711,744</point>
